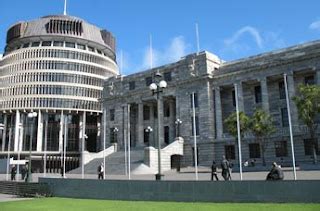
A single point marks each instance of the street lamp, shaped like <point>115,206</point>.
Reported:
<point>32,116</point>
<point>157,87</point>
<point>148,130</point>
<point>115,134</point>
<point>178,122</point>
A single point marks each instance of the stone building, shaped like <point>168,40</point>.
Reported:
<point>54,66</point>
<point>260,82</point>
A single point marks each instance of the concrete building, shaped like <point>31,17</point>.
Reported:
<point>54,66</point>
<point>260,82</point>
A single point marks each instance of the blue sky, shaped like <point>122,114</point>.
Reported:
<point>231,29</point>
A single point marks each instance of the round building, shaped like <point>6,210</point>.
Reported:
<point>51,81</point>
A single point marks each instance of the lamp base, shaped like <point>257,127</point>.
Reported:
<point>159,176</point>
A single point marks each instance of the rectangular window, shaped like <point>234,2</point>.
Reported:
<point>70,45</point>
<point>309,80</point>
<point>35,44</point>
<point>281,148</point>
<point>195,100</point>
<point>58,43</point>
<point>166,110</point>
<point>90,48</point>
<point>284,117</point>
<point>113,135</point>
<point>258,94</point>
<point>146,112</point>
<point>167,76</point>
<point>166,135</point>
<point>282,90</point>
<point>148,81</point>
<point>229,151</point>
<point>132,85</point>
<point>112,114</point>
<point>81,47</point>
<point>26,45</point>
<point>233,98</point>
<point>146,137</point>
<point>254,150</point>
<point>46,43</point>
<point>197,125</point>
<point>308,147</point>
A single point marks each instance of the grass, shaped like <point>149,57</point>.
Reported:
<point>61,204</point>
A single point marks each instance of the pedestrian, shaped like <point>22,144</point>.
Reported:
<point>230,169</point>
<point>23,172</point>
<point>100,171</point>
<point>13,172</point>
<point>214,171</point>
<point>275,173</point>
<point>225,168</point>
<point>62,171</point>
<point>26,178</point>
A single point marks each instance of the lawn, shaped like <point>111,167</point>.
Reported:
<point>61,204</point>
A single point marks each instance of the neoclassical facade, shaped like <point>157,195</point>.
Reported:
<point>260,84</point>
<point>54,66</point>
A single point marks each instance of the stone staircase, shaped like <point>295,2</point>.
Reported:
<point>115,163</point>
<point>24,189</point>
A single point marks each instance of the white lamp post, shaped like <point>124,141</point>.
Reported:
<point>32,116</point>
<point>157,87</point>
<point>148,131</point>
<point>178,122</point>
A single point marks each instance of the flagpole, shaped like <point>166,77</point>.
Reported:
<point>151,53</point>
<point>290,127</point>
<point>238,129</point>
<point>129,142</point>
<point>195,136</point>
<point>197,38</point>
<point>65,8</point>
<point>83,142</point>
<point>104,140</point>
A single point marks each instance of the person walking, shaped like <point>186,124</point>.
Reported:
<point>225,168</point>
<point>214,171</point>
<point>13,173</point>
<point>275,173</point>
<point>100,171</point>
<point>23,172</point>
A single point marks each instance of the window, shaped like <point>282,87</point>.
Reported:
<point>309,80</point>
<point>257,94</point>
<point>308,147</point>
<point>113,135</point>
<point>112,112</point>
<point>281,148</point>
<point>70,45</point>
<point>148,81</point>
<point>195,100</point>
<point>90,48</point>
<point>254,150</point>
<point>35,44</point>
<point>58,43</point>
<point>229,151</point>
<point>26,45</point>
<point>146,137</point>
<point>166,108</point>
<point>46,43</point>
<point>132,85</point>
<point>82,47</point>
<point>197,125</point>
<point>282,91</point>
<point>284,117</point>
<point>233,98</point>
<point>166,135</point>
<point>167,76</point>
<point>146,112</point>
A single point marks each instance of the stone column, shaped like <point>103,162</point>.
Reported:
<point>5,121</point>
<point>172,121</point>
<point>39,132</point>
<point>240,96</point>
<point>61,132</point>
<point>16,131</point>
<point>218,112</point>
<point>265,94</point>
<point>140,141</point>
<point>292,92</point>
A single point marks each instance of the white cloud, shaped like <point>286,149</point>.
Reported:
<point>173,52</point>
<point>247,29</point>
<point>315,25</point>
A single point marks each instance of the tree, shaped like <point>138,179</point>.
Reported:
<point>308,105</point>
<point>261,125</point>
<point>231,124</point>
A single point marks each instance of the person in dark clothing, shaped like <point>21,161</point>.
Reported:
<point>13,172</point>
<point>275,173</point>
<point>214,171</point>
<point>100,171</point>
<point>23,172</point>
<point>225,168</point>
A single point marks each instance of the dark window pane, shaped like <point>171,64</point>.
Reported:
<point>90,48</point>
<point>254,150</point>
<point>26,45</point>
<point>167,76</point>
<point>46,43</point>
<point>166,109</point>
<point>70,45</point>
<point>309,80</point>
<point>195,100</point>
<point>197,125</point>
<point>132,85</point>
<point>282,91</point>
<point>233,98</point>
<point>146,112</point>
<point>58,43</point>
<point>148,81</point>
<point>229,151</point>
<point>166,135</point>
<point>257,94</point>
<point>281,148</point>
<point>308,147</point>
<point>112,114</point>
<point>35,44</point>
<point>82,47</point>
<point>284,117</point>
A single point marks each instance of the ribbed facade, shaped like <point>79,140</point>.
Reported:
<point>55,66</point>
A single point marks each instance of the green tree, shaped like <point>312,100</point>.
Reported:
<point>231,124</point>
<point>308,105</point>
<point>261,125</point>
